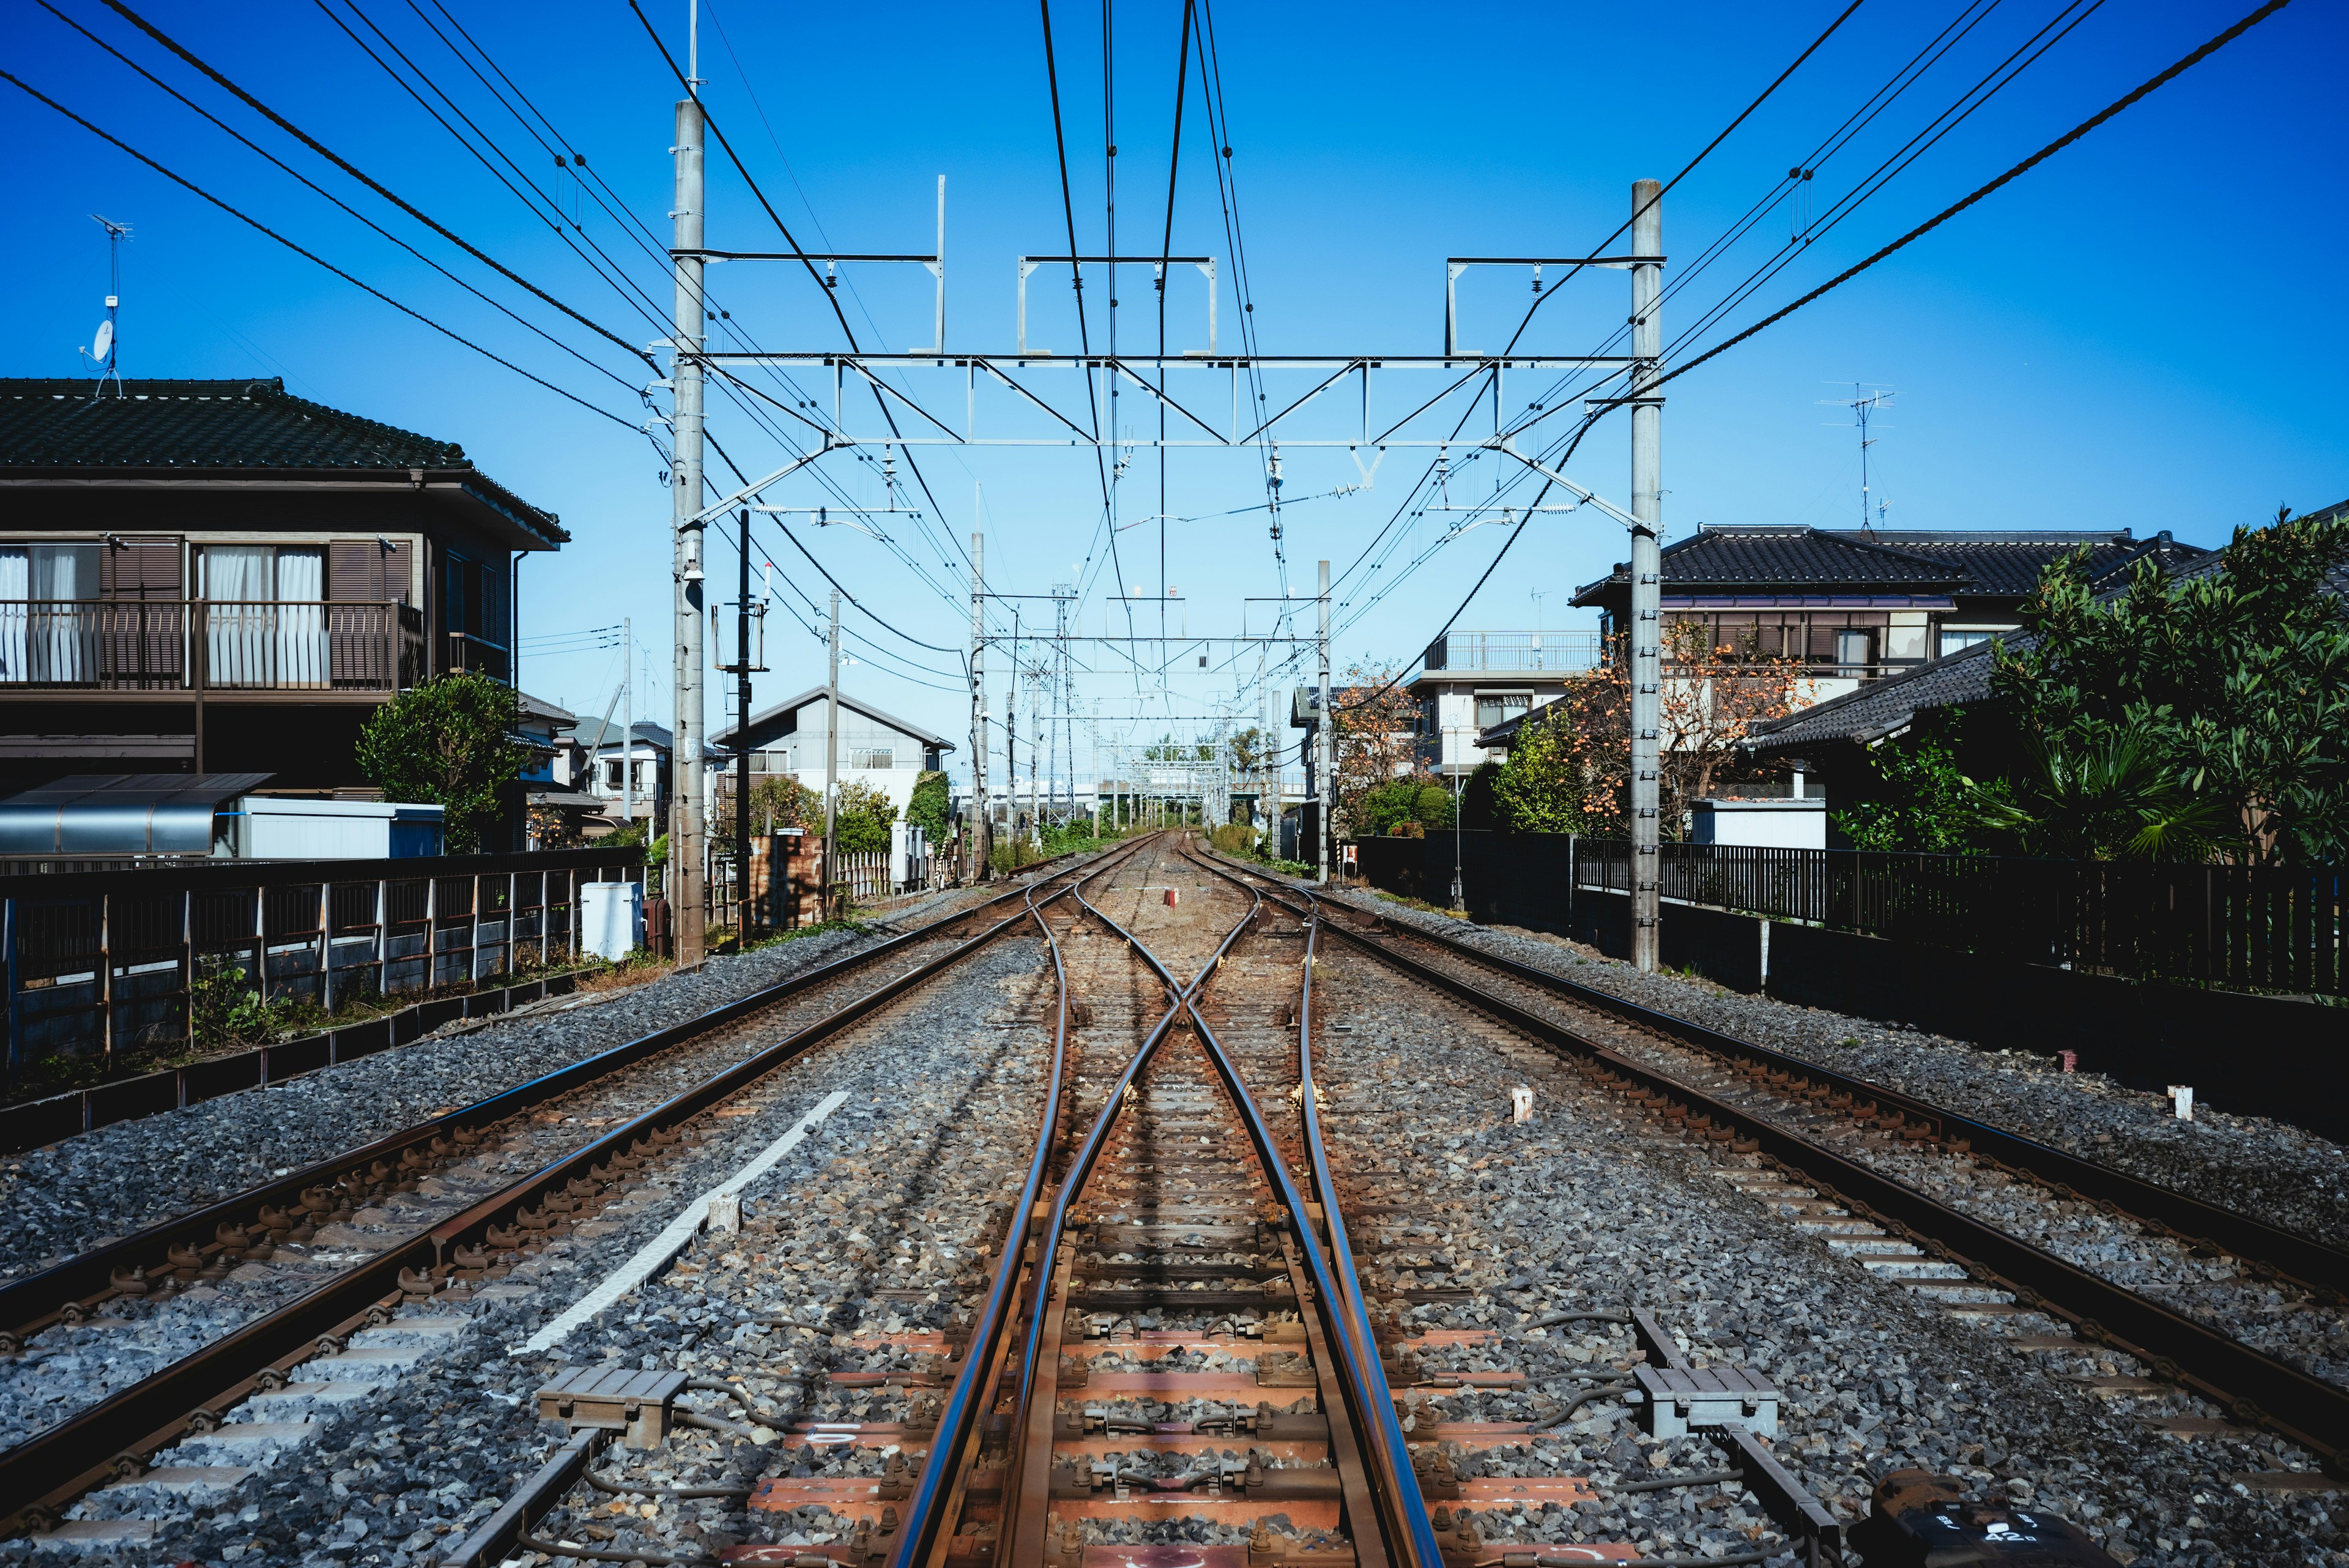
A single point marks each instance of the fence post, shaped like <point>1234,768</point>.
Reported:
<point>327,945</point>
<point>15,1023</point>
<point>260,940</point>
<point>473,938</point>
<point>570,913</point>
<point>383,935</point>
<point>188,961</point>
<point>431,934</point>
<point>105,976</point>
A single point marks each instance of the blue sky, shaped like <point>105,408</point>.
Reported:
<point>2145,331</point>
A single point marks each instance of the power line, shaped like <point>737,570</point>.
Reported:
<point>348,168</point>
<point>312,255</point>
<point>1952,211</point>
<point>330,196</point>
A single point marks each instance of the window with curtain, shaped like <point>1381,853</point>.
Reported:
<point>302,615</point>
<point>240,582</point>
<point>1500,707</point>
<point>49,613</point>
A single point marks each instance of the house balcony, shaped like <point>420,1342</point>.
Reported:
<point>1471,653</point>
<point>143,649</point>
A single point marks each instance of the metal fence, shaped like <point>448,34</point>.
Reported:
<point>101,962</point>
<point>2246,927</point>
<point>170,644</point>
<point>2261,927</point>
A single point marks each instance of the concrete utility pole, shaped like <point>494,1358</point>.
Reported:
<point>977,845</point>
<point>627,722</point>
<point>1645,635</point>
<point>743,746</point>
<point>685,882</point>
<point>1325,744</point>
<point>832,760</point>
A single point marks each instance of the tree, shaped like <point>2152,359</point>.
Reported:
<point>1569,766</point>
<point>2233,683</point>
<point>927,808</point>
<point>1419,802</point>
<point>780,801</point>
<point>1375,737</point>
<point>448,743</point>
<point>1714,693</point>
<point>862,818</point>
<point>1924,803</point>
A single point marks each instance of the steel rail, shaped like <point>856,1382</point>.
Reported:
<point>28,1305</point>
<point>67,1459</point>
<point>1405,1519</point>
<point>1073,1181</point>
<point>2251,1386</point>
<point>959,1415</point>
<point>2311,1263</point>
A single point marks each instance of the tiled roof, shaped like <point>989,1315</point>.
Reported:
<point>1770,558</point>
<point>199,424</point>
<point>1969,561</point>
<point>248,430</point>
<point>1880,707</point>
<point>2001,562</point>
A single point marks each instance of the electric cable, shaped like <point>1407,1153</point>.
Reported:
<point>345,206</point>
<point>355,172</point>
<point>312,255</point>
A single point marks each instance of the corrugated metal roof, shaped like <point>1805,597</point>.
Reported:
<point>121,814</point>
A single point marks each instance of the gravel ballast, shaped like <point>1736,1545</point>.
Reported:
<point>2284,1175</point>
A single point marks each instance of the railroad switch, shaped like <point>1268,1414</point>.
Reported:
<point>1918,1518</point>
<point>640,1406</point>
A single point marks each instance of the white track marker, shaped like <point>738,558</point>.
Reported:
<point>680,1232</point>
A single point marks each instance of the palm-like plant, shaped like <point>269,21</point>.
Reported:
<point>2104,797</point>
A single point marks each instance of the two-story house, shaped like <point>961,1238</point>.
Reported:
<point>875,748</point>
<point>1472,681</point>
<point>199,576</point>
<point>1856,606</point>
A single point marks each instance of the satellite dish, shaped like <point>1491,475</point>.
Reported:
<point>104,343</point>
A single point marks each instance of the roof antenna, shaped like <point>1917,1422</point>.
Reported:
<point>1864,403</point>
<point>103,345</point>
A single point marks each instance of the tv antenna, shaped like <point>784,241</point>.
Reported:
<point>103,346</point>
<point>1864,402</point>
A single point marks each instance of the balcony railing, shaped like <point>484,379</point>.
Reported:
<point>175,645</point>
<point>1564,652</point>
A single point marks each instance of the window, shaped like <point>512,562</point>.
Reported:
<point>873,757</point>
<point>1500,707</point>
<point>612,775</point>
<point>264,615</point>
<point>46,632</point>
<point>1951,642</point>
<point>1852,649</point>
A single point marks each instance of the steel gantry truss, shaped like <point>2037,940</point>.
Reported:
<point>1034,385</point>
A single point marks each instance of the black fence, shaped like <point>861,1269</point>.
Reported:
<point>102,963</point>
<point>2244,927</point>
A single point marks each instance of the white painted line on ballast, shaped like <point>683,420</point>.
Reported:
<point>680,1232</point>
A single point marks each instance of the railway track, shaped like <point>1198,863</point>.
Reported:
<point>1182,1280</point>
<point>435,1214</point>
<point>1874,1166</point>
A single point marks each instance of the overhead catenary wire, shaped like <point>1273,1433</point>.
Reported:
<point>311,256</point>
<point>346,207</point>
<point>369,182</point>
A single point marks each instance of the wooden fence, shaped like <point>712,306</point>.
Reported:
<point>102,962</point>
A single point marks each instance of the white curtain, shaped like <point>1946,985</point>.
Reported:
<point>64,641</point>
<point>238,581</point>
<point>302,654</point>
<point>15,587</point>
